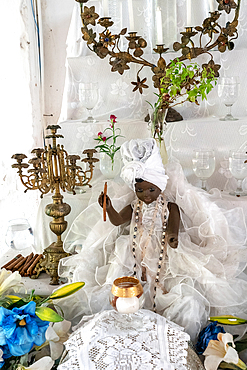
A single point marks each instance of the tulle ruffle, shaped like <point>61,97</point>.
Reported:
<point>203,276</point>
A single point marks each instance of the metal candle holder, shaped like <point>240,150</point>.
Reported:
<point>54,169</point>
<point>210,35</point>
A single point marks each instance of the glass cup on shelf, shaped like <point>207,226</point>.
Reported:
<point>203,164</point>
<point>88,96</point>
<point>228,91</point>
<point>19,234</point>
<point>238,169</point>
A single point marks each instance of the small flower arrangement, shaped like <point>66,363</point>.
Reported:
<point>107,144</point>
<point>220,348</point>
<point>29,323</point>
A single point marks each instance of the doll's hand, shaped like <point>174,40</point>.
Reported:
<point>173,241</point>
<point>101,200</point>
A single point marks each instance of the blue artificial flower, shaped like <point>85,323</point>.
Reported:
<point>5,353</point>
<point>20,329</point>
<point>209,332</point>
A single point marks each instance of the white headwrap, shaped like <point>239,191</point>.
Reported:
<point>141,158</point>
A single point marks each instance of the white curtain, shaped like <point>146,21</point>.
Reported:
<point>20,106</point>
<point>116,96</point>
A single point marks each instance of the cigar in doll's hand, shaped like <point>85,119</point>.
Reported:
<point>104,202</point>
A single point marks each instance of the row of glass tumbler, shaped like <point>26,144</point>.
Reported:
<point>203,164</point>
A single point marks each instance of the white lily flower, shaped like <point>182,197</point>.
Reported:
<point>1,356</point>
<point>44,363</point>
<point>56,335</point>
<point>9,281</point>
<point>219,350</point>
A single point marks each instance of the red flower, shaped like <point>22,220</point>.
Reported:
<point>104,138</point>
<point>113,118</point>
<point>100,133</point>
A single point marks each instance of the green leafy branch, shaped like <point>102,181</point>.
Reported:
<point>187,81</point>
<point>181,83</point>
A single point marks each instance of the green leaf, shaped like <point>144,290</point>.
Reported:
<point>19,303</point>
<point>173,90</point>
<point>240,365</point>
<point>241,345</point>
<point>150,104</point>
<point>6,302</point>
<point>47,314</point>
<point>191,74</point>
<point>66,290</point>
<point>228,320</point>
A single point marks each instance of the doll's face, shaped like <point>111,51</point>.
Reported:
<point>147,192</point>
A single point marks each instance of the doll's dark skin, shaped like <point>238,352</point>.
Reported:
<point>148,193</point>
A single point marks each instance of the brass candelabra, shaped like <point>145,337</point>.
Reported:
<point>54,169</point>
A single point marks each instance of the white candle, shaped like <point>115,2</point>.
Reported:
<point>105,8</point>
<point>159,27</point>
<point>211,5</point>
<point>127,305</point>
<point>131,16</point>
<point>189,13</point>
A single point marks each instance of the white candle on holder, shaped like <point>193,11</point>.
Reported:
<point>131,16</point>
<point>159,27</point>
<point>189,13</point>
<point>105,8</point>
<point>211,5</point>
<point>127,305</point>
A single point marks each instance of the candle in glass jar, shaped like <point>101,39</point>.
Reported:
<point>159,27</point>
<point>127,305</point>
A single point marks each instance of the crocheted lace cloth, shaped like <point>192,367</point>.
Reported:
<point>145,340</point>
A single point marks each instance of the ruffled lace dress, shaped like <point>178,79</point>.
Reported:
<point>203,276</point>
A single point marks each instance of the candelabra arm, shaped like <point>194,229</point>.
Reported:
<point>237,11</point>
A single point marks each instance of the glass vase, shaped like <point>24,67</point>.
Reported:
<point>157,123</point>
<point>108,168</point>
<point>163,153</point>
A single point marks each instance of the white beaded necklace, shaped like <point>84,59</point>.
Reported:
<point>137,211</point>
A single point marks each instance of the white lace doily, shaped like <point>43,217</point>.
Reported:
<point>111,341</point>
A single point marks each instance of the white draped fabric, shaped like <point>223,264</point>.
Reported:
<point>20,110</point>
<point>116,95</point>
<point>203,276</point>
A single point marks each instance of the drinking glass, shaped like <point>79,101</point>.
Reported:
<point>203,164</point>
<point>88,96</point>
<point>126,297</point>
<point>228,90</point>
<point>238,168</point>
<point>19,234</point>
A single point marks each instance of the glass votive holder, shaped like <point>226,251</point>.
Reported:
<point>126,295</point>
<point>19,234</point>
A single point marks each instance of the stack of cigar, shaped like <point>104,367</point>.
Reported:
<point>25,265</point>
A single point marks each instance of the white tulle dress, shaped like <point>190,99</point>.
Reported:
<point>203,276</point>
